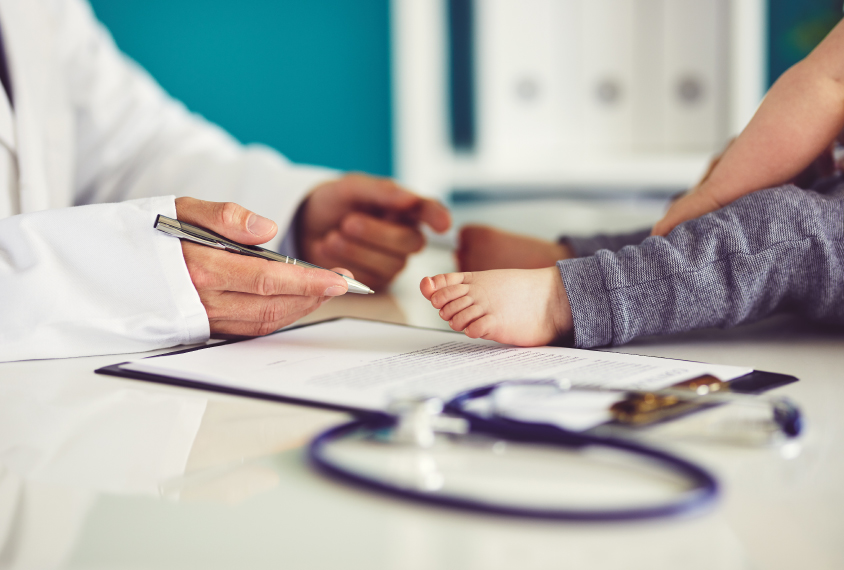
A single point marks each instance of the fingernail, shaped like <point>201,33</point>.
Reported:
<point>334,291</point>
<point>259,225</point>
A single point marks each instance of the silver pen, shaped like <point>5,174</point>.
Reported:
<point>184,230</point>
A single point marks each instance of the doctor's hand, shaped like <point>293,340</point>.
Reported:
<point>367,224</point>
<point>247,295</point>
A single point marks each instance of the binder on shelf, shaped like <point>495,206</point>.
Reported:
<point>648,90</point>
<point>527,52</point>
<point>695,73</point>
<point>608,74</point>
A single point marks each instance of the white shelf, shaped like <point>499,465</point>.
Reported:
<point>626,172</point>
<point>425,159</point>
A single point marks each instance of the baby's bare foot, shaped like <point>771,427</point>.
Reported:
<point>482,248</point>
<point>511,306</point>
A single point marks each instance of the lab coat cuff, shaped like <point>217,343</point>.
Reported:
<point>194,320</point>
<point>589,299</point>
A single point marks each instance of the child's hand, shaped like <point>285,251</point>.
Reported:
<point>481,248</point>
<point>512,306</point>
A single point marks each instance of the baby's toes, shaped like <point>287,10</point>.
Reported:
<point>454,307</point>
<point>448,279</point>
<point>427,287</point>
<point>466,317</point>
<point>444,296</point>
<point>430,285</point>
<point>482,328</point>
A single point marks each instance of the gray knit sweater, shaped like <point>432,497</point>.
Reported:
<point>776,250</point>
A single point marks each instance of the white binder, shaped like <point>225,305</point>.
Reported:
<point>648,90</point>
<point>608,75</point>
<point>528,55</point>
<point>696,42</point>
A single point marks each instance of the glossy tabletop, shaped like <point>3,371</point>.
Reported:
<point>102,472</point>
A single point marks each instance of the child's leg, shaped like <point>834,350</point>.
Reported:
<point>482,248</point>
<point>512,306</point>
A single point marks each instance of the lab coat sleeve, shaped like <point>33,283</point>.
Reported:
<point>94,280</point>
<point>135,141</point>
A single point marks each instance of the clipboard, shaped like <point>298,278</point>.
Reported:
<point>119,371</point>
<point>752,382</point>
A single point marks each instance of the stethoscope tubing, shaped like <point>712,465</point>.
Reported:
<point>703,493</point>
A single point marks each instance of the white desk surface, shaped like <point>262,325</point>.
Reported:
<point>102,472</point>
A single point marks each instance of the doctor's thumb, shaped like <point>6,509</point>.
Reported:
<point>227,219</point>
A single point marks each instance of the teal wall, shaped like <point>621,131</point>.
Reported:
<point>796,27</point>
<point>310,78</point>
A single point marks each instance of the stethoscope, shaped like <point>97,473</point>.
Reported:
<point>419,421</point>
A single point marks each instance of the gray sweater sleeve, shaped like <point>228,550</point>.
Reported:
<point>583,246</point>
<point>777,250</point>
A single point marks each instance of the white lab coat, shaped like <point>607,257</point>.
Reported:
<point>91,152</point>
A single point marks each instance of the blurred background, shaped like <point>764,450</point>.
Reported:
<point>491,96</point>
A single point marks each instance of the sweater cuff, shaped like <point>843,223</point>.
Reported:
<point>582,246</point>
<point>585,246</point>
<point>589,299</point>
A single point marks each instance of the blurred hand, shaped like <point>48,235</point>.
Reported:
<point>481,248</point>
<point>247,295</point>
<point>367,224</point>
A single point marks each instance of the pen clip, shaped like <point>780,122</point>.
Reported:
<point>174,228</point>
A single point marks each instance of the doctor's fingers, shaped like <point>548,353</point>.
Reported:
<point>234,306</point>
<point>228,219</point>
<point>434,214</point>
<point>371,266</point>
<point>216,270</point>
<point>391,237</point>
<point>386,195</point>
<point>249,328</point>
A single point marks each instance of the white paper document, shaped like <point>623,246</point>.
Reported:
<point>362,364</point>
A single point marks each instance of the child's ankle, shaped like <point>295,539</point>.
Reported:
<point>561,312</point>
